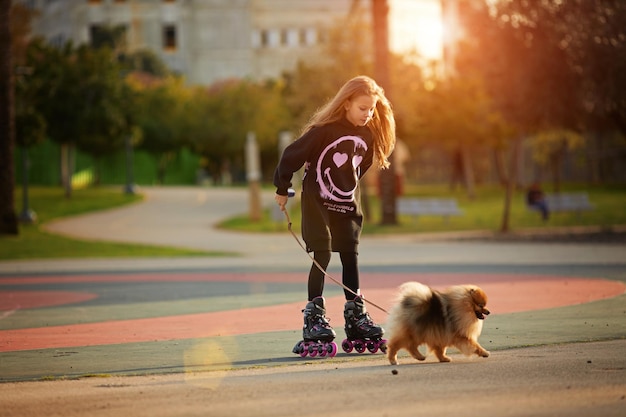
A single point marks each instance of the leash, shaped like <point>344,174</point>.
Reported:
<point>323,270</point>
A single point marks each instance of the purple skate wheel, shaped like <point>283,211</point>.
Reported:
<point>313,349</point>
<point>322,350</point>
<point>382,345</point>
<point>359,346</point>
<point>332,349</point>
<point>372,346</point>
<point>347,346</point>
<point>304,349</point>
<point>298,348</point>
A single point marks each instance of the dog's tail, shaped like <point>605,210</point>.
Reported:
<point>415,295</point>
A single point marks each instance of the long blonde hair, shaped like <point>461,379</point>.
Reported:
<point>382,124</point>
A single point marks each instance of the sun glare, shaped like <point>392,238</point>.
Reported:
<point>416,26</point>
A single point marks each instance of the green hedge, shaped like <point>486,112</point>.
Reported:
<point>45,167</point>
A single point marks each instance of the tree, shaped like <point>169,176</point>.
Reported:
<point>524,71</point>
<point>80,94</point>
<point>387,177</point>
<point>551,64</point>
<point>589,42</point>
<point>111,118</point>
<point>224,113</point>
<point>30,124</point>
<point>459,118</point>
<point>523,51</point>
<point>59,87</point>
<point>111,37</point>
<point>8,218</point>
<point>549,148</point>
<point>346,53</point>
<point>159,113</point>
<point>102,117</point>
<point>145,61</point>
<point>21,27</point>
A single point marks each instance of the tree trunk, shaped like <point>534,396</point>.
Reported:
<point>498,158</point>
<point>8,217</point>
<point>67,169</point>
<point>468,174</point>
<point>505,226</point>
<point>456,177</point>
<point>593,150</point>
<point>555,167</point>
<point>97,170</point>
<point>387,177</point>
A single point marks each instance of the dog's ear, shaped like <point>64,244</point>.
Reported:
<point>478,295</point>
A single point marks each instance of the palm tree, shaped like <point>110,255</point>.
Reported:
<point>8,218</point>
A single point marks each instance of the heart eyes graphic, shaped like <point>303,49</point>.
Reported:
<point>339,159</point>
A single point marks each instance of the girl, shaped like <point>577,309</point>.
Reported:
<point>338,145</point>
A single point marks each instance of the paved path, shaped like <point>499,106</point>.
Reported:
<point>555,291</point>
<point>185,217</point>
<point>146,316</point>
<point>575,380</point>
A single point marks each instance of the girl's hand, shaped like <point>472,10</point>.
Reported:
<point>281,200</point>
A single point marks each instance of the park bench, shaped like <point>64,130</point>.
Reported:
<point>575,202</point>
<point>416,207</point>
<point>564,202</point>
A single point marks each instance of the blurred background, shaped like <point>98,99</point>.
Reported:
<point>498,92</point>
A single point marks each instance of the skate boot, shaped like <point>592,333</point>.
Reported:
<point>317,334</point>
<point>361,332</point>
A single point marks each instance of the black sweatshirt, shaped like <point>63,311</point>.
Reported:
<point>335,157</point>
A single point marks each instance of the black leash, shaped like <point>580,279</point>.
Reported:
<point>322,269</point>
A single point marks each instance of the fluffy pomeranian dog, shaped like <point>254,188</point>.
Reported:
<point>439,319</point>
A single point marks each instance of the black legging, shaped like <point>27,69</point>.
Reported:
<point>350,273</point>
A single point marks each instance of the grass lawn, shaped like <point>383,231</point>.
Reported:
<point>484,212</point>
<point>50,203</point>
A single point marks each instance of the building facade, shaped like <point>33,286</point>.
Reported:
<point>203,40</point>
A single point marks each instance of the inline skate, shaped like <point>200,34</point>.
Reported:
<point>317,334</point>
<point>361,332</point>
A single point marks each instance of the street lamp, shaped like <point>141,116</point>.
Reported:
<point>27,216</point>
<point>130,186</point>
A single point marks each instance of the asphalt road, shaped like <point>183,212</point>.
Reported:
<point>554,360</point>
<point>573,380</point>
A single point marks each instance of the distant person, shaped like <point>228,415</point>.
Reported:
<point>536,199</point>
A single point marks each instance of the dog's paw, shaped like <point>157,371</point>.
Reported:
<point>484,353</point>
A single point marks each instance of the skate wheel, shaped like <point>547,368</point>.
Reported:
<point>359,346</point>
<point>299,348</point>
<point>332,349</point>
<point>347,346</point>
<point>372,346</point>
<point>304,349</point>
<point>382,345</point>
<point>312,350</point>
<point>322,350</point>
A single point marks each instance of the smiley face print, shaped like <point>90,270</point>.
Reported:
<point>338,168</point>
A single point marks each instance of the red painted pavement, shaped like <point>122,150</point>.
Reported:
<point>507,294</point>
<point>11,301</point>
